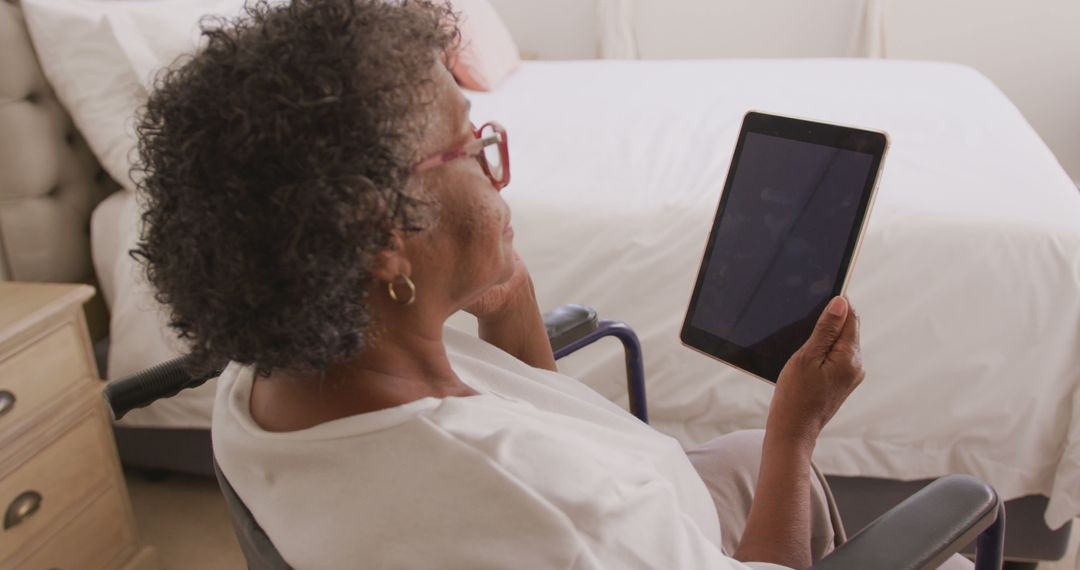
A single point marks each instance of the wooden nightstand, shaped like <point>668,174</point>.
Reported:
<point>62,494</point>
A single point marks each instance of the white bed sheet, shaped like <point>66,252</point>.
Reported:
<point>968,282</point>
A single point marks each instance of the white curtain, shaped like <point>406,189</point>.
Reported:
<point>615,29</point>
<point>683,29</point>
<point>870,38</point>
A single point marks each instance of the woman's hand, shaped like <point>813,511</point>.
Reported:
<point>510,319</point>
<point>819,376</point>
<point>812,385</point>
<point>494,300</point>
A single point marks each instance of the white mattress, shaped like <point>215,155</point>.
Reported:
<point>968,282</point>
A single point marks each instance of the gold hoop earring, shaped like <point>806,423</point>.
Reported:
<point>393,293</point>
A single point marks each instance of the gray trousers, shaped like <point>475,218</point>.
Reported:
<point>729,466</point>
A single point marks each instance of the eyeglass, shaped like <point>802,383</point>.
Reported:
<point>490,149</point>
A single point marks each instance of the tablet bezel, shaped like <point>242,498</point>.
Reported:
<point>873,142</point>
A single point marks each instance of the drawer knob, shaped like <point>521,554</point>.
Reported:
<point>23,507</point>
<point>7,402</point>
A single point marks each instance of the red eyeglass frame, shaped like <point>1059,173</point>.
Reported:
<point>475,148</point>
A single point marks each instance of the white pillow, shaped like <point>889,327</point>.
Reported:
<point>101,56</point>
<point>488,54</point>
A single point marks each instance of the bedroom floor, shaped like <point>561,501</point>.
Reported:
<point>185,518</point>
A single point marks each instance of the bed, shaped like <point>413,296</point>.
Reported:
<point>968,282</point>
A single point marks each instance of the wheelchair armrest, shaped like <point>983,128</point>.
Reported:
<point>568,323</point>
<point>924,530</point>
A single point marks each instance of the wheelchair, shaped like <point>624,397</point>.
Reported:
<point>920,532</point>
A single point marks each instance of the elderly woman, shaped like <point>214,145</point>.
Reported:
<point>318,203</point>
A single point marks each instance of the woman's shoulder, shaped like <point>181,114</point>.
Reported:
<point>543,485</point>
<point>559,457</point>
<point>419,481</point>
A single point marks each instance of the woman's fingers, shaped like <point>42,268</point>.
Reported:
<point>829,329</point>
<point>849,336</point>
<point>817,379</point>
<point>847,353</point>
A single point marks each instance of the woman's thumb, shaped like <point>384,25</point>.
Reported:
<point>829,326</point>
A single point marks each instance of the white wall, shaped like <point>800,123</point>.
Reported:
<point>551,29</point>
<point>1030,49</point>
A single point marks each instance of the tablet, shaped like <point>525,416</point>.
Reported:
<point>784,238</point>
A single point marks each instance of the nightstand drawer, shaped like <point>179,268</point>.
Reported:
<point>95,538</point>
<point>41,493</point>
<point>37,374</point>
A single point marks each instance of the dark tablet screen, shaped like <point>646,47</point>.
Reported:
<point>783,238</point>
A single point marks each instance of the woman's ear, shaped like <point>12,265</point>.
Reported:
<point>391,263</point>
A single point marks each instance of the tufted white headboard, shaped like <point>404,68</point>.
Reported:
<point>49,179</point>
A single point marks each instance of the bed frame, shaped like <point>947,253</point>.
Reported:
<point>50,184</point>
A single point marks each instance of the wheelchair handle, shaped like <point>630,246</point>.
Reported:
<point>143,388</point>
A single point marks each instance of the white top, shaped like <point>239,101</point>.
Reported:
<point>537,471</point>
